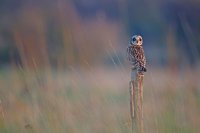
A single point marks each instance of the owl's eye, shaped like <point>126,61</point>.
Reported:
<point>140,39</point>
<point>133,39</point>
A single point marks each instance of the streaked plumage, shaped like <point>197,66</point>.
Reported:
<point>135,54</point>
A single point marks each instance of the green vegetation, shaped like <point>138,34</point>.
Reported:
<point>68,102</point>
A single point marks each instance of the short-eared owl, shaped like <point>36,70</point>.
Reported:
<point>135,54</point>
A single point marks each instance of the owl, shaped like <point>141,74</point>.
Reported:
<point>135,54</point>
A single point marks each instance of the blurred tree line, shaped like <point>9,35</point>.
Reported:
<point>68,32</point>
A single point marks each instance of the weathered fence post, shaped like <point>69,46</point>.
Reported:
<point>136,101</point>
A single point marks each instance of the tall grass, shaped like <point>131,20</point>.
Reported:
<point>70,102</point>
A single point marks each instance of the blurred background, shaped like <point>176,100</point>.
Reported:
<point>63,67</point>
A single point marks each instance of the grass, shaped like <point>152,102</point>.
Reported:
<point>67,102</point>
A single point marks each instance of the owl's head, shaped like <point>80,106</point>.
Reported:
<point>136,40</point>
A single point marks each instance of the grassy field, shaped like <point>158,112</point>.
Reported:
<point>96,100</point>
<point>57,34</point>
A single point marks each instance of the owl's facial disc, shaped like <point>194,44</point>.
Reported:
<point>134,40</point>
<point>139,40</point>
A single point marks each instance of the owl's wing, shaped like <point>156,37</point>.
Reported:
<point>139,56</point>
<point>129,54</point>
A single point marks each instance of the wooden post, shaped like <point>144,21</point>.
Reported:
<point>136,101</point>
